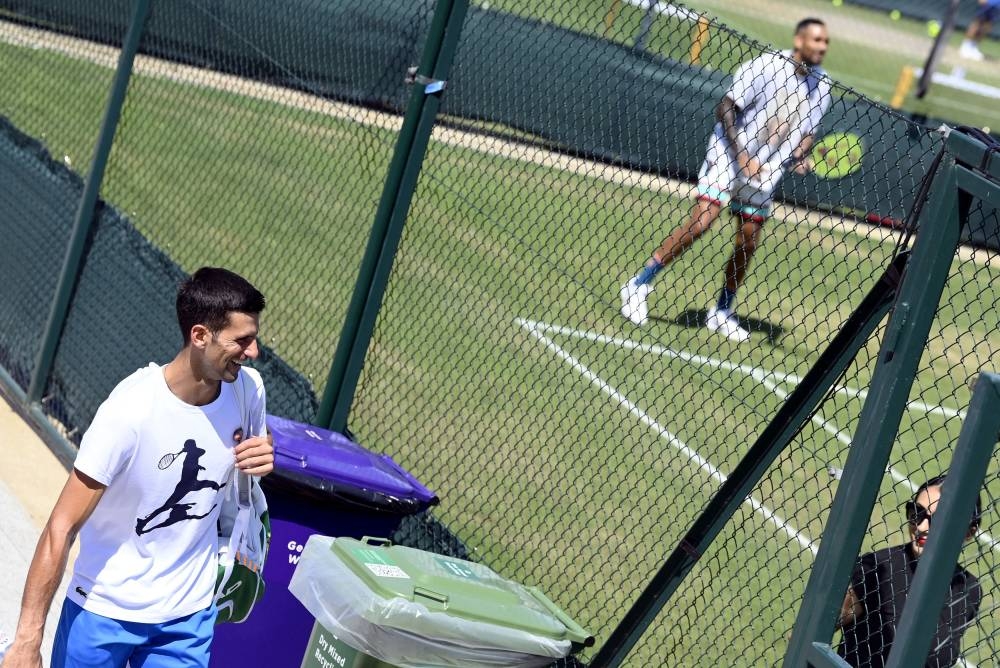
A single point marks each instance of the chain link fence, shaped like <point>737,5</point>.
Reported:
<point>244,141</point>
<point>576,447</point>
<point>570,448</point>
<point>51,112</point>
<point>261,144</point>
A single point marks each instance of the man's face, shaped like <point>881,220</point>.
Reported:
<point>811,44</point>
<point>230,347</point>
<point>920,523</point>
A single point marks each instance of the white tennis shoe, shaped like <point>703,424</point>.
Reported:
<point>970,51</point>
<point>725,323</point>
<point>634,301</point>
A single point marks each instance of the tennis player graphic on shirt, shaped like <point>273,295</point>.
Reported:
<point>189,482</point>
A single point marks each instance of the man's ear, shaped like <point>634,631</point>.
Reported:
<point>200,336</point>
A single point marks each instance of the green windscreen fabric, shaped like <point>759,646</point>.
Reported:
<point>38,198</point>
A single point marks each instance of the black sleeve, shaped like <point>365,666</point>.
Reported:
<point>864,579</point>
<point>975,598</point>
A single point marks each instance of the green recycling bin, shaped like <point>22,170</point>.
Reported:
<point>379,605</point>
<point>326,650</point>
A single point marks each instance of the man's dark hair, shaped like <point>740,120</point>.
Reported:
<point>806,22</point>
<point>937,481</point>
<point>208,297</point>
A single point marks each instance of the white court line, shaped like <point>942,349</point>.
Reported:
<point>769,379</point>
<point>756,373</point>
<point>666,9</point>
<point>961,83</point>
<point>663,433</point>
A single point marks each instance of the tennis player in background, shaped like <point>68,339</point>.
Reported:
<point>766,123</point>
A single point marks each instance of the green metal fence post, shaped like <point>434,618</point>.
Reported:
<point>951,525</point>
<point>69,275</point>
<point>401,179</point>
<point>899,356</point>
<point>738,485</point>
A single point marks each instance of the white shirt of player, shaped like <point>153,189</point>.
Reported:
<point>777,108</point>
<point>148,553</point>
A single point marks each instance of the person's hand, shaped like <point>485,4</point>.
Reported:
<point>255,456</point>
<point>20,655</point>
<point>749,166</point>
<point>804,166</point>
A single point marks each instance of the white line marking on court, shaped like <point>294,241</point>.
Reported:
<point>754,372</point>
<point>666,9</point>
<point>768,379</point>
<point>663,433</point>
<point>961,83</point>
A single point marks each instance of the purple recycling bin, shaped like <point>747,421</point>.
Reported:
<point>322,483</point>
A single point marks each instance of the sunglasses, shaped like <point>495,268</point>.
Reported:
<point>916,514</point>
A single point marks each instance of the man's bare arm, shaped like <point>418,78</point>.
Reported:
<point>726,112</point>
<point>801,161</point>
<point>76,502</point>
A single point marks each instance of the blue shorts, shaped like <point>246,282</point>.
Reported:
<point>988,11</point>
<point>86,640</point>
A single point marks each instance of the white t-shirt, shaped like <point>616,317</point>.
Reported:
<point>148,553</point>
<point>777,108</point>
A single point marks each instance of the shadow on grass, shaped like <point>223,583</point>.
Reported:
<point>694,318</point>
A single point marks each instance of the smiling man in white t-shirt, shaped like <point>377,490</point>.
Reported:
<point>144,496</point>
<point>766,122</point>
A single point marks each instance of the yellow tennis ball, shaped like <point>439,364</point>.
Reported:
<point>838,3</point>
<point>933,28</point>
<point>837,155</point>
<point>895,15</point>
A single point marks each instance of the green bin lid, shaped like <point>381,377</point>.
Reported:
<point>458,587</point>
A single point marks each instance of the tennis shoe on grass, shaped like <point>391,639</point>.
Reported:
<point>970,51</point>
<point>634,301</point>
<point>724,322</point>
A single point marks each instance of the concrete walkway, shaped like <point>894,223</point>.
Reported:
<point>30,480</point>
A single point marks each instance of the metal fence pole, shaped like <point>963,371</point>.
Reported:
<point>951,525</point>
<point>645,26</point>
<point>899,356</point>
<point>738,485</point>
<point>940,42</point>
<point>373,277</point>
<point>69,275</point>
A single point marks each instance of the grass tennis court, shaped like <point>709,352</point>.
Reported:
<point>500,345</point>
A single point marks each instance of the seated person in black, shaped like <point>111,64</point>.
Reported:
<point>881,581</point>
